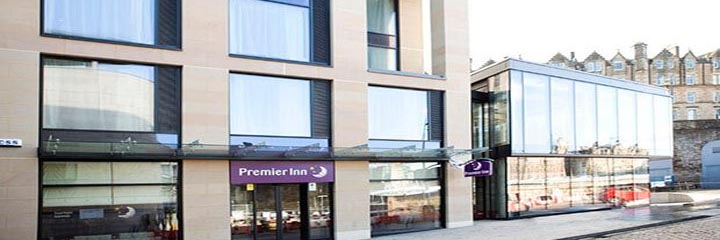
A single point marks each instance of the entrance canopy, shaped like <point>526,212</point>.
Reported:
<point>132,150</point>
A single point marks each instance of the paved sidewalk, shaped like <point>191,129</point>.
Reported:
<point>704,229</point>
<point>562,226</point>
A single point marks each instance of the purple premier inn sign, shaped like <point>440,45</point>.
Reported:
<point>281,172</point>
<point>479,168</point>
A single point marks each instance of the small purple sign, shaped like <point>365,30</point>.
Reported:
<point>281,172</point>
<point>479,168</point>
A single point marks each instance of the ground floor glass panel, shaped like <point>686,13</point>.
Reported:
<point>404,197</point>
<point>109,200</point>
<point>545,185</point>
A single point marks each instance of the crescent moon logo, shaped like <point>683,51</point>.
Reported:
<point>322,173</point>
<point>478,166</point>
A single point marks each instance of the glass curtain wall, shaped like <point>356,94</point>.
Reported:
<point>499,102</point>
<point>405,197</point>
<point>555,115</point>
<point>562,109</point>
<point>544,185</point>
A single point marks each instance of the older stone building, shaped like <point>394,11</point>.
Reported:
<point>693,80</point>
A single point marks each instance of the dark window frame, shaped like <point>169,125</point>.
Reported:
<point>311,41</point>
<point>178,29</point>
<point>97,135</point>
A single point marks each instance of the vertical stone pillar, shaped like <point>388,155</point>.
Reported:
<point>19,117</point>
<point>205,183</point>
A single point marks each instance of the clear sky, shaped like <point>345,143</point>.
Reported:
<point>537,29</point>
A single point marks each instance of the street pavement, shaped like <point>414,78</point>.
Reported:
<point>703,229</point>
<point>587,223</point>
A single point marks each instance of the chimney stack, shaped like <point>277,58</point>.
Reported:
<point>677,51</point>
<point>572,56</point>
<point>641,59</point>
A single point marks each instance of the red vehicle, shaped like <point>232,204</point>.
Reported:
<point>620,195</point>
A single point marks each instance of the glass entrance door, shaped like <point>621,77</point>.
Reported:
<point>280,211</point>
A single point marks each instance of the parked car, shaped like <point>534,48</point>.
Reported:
<point>621,195</point>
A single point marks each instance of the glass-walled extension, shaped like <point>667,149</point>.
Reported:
<point>554,115</point>
<point>564,140</point>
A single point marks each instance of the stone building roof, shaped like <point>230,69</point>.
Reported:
<point>664,53</point>
<point>619,57</point>
<point>689,54</point>
<point>594,56</point>
<point>559,57</point>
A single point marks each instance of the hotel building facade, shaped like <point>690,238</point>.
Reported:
<point>232,119</point>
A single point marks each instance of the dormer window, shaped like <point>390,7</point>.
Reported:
<point>618,66</point>
<point>659,64</point>
<point>690,64</point>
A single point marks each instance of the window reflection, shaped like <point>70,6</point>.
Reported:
<point>645,123</point>
<point>109,200</point>
<point>499,103</point>
<point>627,121</point>
<point>584,118</point>
<point>539,185</point>
<point>562,106</point>
<point>91,95</point>
<point>607,119</point>
<point>537,113</point>
<point>516,98</point>
<point>663,126</point>
<point>404,197</point>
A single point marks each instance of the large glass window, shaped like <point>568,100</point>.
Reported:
<point>269,106</point>
<point>516,105</point>
<point>499,103</point>
<point>585,116</point>
<point>607,116</point>
<point>397,114</point>
<point>92,95</point>
<point>404,197</point>
<point>119,20</point>
<point>537,107</point>
<point>382,34</point>
<point>539,185</point>
<point>109,200</point>
<point>382,58</point>
<point>627,120</point>
<point>645,123</point>
<point>382,17</point>
<point>272,29</point>
<point>563,118</point>
<point>663,126</point>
